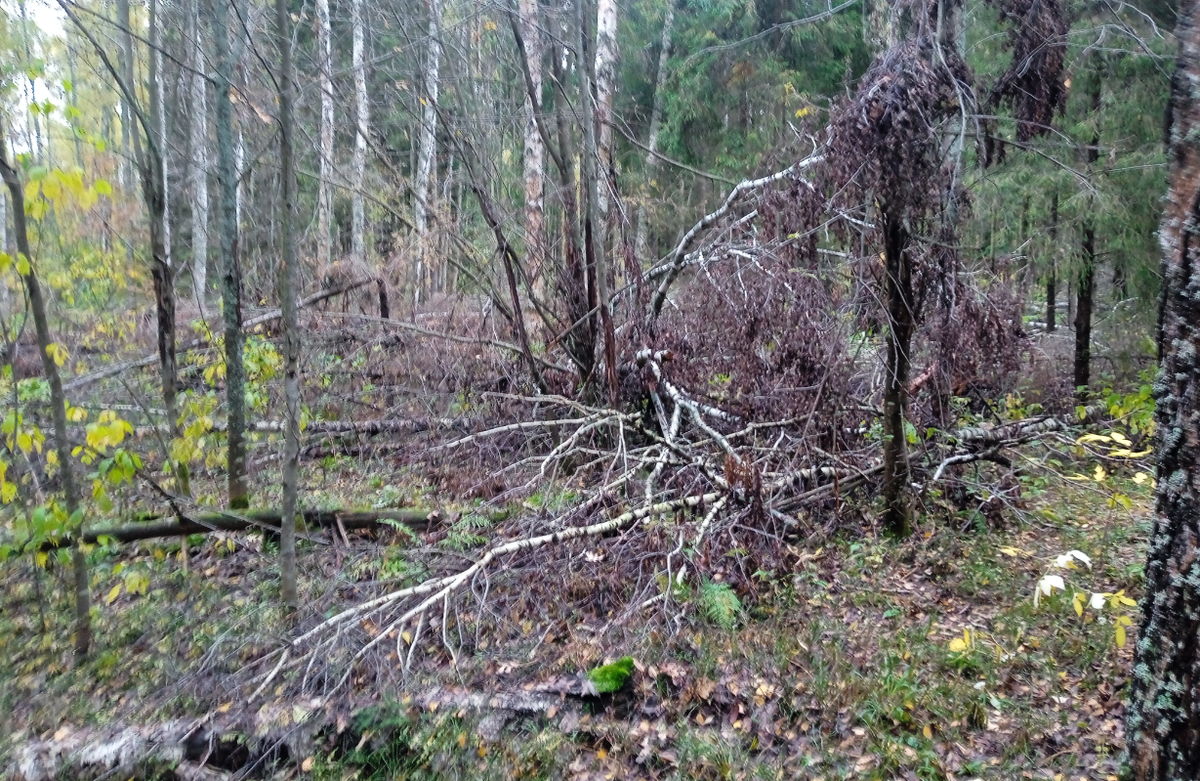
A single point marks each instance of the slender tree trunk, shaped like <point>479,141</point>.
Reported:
<point>362,113</point>
<point>287,295</point>
<point>1051,282</point>
<point>58,404</point>
<point>325,182</point>
<point>656,110</point>
<point>199,143</point>
<point>73,96</point>
<point>1163,718</point>
<point>161,127</point>
<point>35,140</point>
<point>427,145</point>
<point>1087,277</point>
<point>231,273</point>
<point>534,160</point>
<point>898,293</point>
<point>595,116</point>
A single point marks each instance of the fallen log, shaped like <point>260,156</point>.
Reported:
<point>150,527</point>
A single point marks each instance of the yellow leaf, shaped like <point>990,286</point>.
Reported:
<point>1077,602</point>
<point>927,732</point>
<point>1100,474</point>
<point>306,765</point>
<point>1120,635</point>
<point>224,708</point>
<point>112,595</point>
<point>407,637</point>
<point>40,558</point>
<point>601,754</point>
<point>462,740</point>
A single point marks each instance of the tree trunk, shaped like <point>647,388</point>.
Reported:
<point>58,404</point>
<point>426,144</point>
<point>596,117</point>
<point>358,216</point>
<point>1051,282</point>
<point>325,154</point>
<point>898,293</point>
<point>287,295</point>
<point>1083,311</point>
<point>231,273</point>
<point>199,143</point>
<point>656,109</point>
<point>534,159</point>
<point>1087,277</point>
<point>1163,719</point>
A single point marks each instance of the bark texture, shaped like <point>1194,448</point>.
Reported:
<point>656,109</point>
<point>535,153</point>
<point>1163,719</point>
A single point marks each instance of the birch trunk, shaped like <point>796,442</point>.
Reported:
<point>656,109</point>
<point>597,120</point>
<point>324,183</point>
<point>199,143</point>
<point>358,217</point>
<point>287,295</point>
<point>606,81</point>
<point>427,144</point>
<point>535,153</point>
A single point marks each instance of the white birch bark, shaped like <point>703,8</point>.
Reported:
<point>535,154</point>
<point>656,110</point>
<point>199,142</point>
<point>324,187</point>
<point>156,52</point>
<point>606,79</point>
<point>427,143</point>
<point>358,216</point>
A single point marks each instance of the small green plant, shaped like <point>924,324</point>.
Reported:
<point>464,533</point>
<point>720,604</point>
<point>610,677</point>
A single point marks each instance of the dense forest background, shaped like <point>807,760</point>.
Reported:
<point>620,360</point>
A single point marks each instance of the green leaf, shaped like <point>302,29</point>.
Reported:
<point>720,604</point>
<point>102,187</point>
<point>610,677</point>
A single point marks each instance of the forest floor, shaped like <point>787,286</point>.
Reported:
<point>852,664</point>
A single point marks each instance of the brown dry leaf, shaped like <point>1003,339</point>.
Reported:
<point>306,765</point>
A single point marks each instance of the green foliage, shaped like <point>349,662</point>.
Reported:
<point>463,534</point>
<point>719,603</point>
<point>611,677</point>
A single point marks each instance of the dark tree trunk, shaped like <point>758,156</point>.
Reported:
<point>287,295</point>
<point>1163,719</point>
<point>231,273</point>
<point>1051,282</point>
<point>1087,277</point>
<point>898,293</point>
<point>1083,311</point>
<point>58,404</point>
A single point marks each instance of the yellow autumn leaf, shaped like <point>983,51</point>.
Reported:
<point>927,732</point>
<point>462,740</point>
<point>1120,636</point>
<point>960,644</point>
<point>112,595</point>
<point>1077,603</point>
